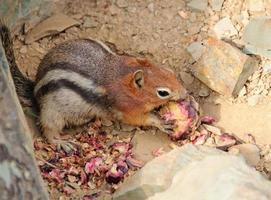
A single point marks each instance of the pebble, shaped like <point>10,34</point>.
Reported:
<point>183,14</point>
<point>196,50</point>
<point>253,100</point>
<point>250,152</point>
<point>242,92</point>
<point>199,5</point>
<point>204,91</point>
<point>224,28</point>
<point>216,4</point>
<point>187,78</point>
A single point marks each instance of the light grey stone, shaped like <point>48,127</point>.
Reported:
<point>195,172</point>
<point>217,177</point>
<point>157,174</point>
<point>257,37</point>
<point>199,5</point>
<point>216,4</point>
<point>196,50</point>
<point>224,28</point>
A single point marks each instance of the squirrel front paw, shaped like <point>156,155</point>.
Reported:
<point>163,125</point>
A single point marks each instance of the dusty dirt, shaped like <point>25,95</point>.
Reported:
<point>161,30</point>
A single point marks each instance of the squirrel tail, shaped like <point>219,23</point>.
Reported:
<point>24,86</point>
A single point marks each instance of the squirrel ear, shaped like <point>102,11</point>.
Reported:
<point>138,79</point>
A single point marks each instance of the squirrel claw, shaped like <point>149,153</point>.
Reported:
<point>168,126</point>
<point>67,147</point>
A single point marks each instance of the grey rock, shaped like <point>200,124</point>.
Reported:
<point>196,50</point>
<point>199,5</point>
<point>195,172</point>
<point>156,175</point>
<point>224,28</point>
<point>216,4</point>
<point>257,37</point>
<point>222,177</point>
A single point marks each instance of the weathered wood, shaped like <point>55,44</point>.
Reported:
<point>19,175</point>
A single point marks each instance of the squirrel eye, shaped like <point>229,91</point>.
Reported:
<point>163,93</point>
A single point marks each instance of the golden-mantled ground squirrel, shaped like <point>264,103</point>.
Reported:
<point>83,78</point>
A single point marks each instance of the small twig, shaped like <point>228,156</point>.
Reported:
<point>41,159</point>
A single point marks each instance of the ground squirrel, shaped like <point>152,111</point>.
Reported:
<point>80,79</point>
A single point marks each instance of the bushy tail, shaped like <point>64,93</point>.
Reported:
<point>24,86</point>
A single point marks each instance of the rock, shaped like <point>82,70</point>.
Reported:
<point>204,91</point>
<point>224,28</point>
<point>196,50</point>
<point>250,152</point>
<point>50,26</point>
<point>267,67</point>
<point>223,68</point>
<point>145,143</point>
<point>255,5</point>
<point>195,172</point>
<point>157,174</point>
<point>257,37</point>
<point>187,78</point>
<point>183,14</point>
<point>253,100</point>
<point>217,177</point>
<point>216,4</point>
<point>199,5</point>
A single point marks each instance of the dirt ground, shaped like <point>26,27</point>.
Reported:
<point>155,30</point>
<point>161,30</point>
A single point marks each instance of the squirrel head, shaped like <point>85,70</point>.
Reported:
<point>146,82</point>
